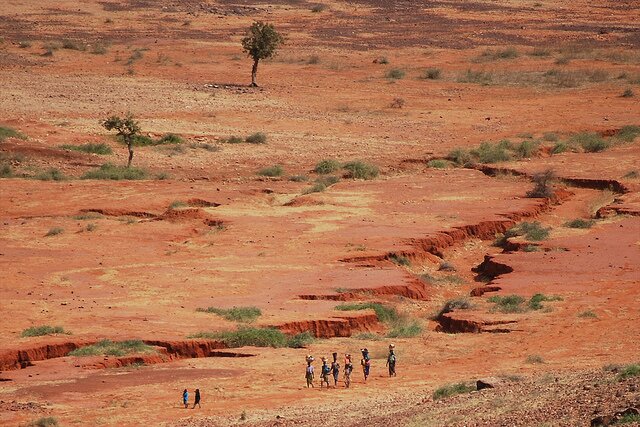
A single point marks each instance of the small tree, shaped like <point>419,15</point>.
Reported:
<point>127,129</point>
<point>261,42</point>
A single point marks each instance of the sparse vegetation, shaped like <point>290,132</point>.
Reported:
<point>99,49</point>
<point>272,171</point>
<point>298,178</point>
<point>384,313</point>
<point>588,314</point>
<point>530,248</point>
<point>113,348</point>
<point>493,153</point>
<point>405,328</point>
<point>543,184</point>
<point>508,303</point>
<point>628,133</point>
<point>628,93</point>
<point>73,45</point>
<point>454,304</point>
<point>7,132</point>
<point>317,8</point>
<point>91,227</point>
<point>399,260</point>
<point>6,171</point>
<point>450,279</point>
<point>54,231</point>
<point>24,44</point>
<point>113,172</point>
<point>38,331</point>
<point>438,164</point>
<point>44,422</point>
<point>461,157</point>
<point>629,371</point>
<point>236,314</point>
<point>550,136</point>
<point>261,42</point>
<point>127,129</point>
<point>397,103</point>
<point>257,337</point>
<point>634,174</point>
<point>629,419</point>
<point>257,138</point>
<point>590,142</point>
<point>496,54</point>
<point>540,52</point>
<point>452,390</point>
<point>395,74</point>
<point>478,77</point>
<point>51,174</point>
<point>432,74</point>
<point>535,302</point>
<point>527,149</point>
<point>361,170</point>
<point>232,140</point>
<point>97,148</point>
<point>327,166</point>
<point>580,223</point>
<point>534,359</point>
<point>177,204</point>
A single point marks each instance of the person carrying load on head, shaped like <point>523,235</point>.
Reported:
<point>324,373</point>
<point>366,363</point>
<point>391,360</point>
<point>348,368</point>
<point>335,369</point>
<point>309,372</point>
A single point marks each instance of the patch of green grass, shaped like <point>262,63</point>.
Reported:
<point>361,170</point>
<point>452,390</point>
<point>590,142</point>
<point>532,231</point>
<point>629,371</point>
<point>256,337</point>
<point>527,149</point>
<point>438,164</point>
<point>508,303</point>
<point>301,340</point>
<point>580,223</point>
<point>431,74</point>
<point>559,147</point>
<point>6,171</point>
<point>54,231</point>
<point>588,314</point>
<point>629,419</point>
<point>38,331</point>
<point>493,153</point>
<point>113,348</point>
<point>534,359</point>
<point>530,248</point>
<point>550,136</point>
<point>169,138</point>
<point>87,216</point>
<point>327,166</point>
<point>395,74</point>
<point>405,329</point>
<point>51,174</point>
<point>535,302</point>
<point>460,157</point>
<point>628,133</point>
<point>272,171</point>
<point>176,204</point>
<point>257,138</point>
<point>98,148</point>
<point>44,422</point>
<point>318,187</point>
<point>384,313</point>
<point>113,172</point>
<point>236,314</point>
<point>234,139</point>
<point>496,54</point>
<point>7,132</point>
<point>477,77</point>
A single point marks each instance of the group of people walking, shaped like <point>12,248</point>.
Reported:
<point>196,400</point>
<point>327,371</point>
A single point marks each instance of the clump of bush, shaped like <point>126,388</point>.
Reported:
<point>478,77</point>
<point>590,142</point>
<point>44,422</point>
<point>51,174</point>
<point>534,359</point>
<point>527,149</point>
<point>113,348</point>
<point>452,390</point>
<point>6,171</point>
<point>272,171</point>
<point>405,328</point>
<point>7,132</point>
<point>38,331</point>
<point>399,260</point>
<point>395,74</point>
<point>327,166</point>
<point>535,302</point>
<point>508,303</point>
<point>257,337</point>
<point>113,172</point>
<point>532,231</point>
<point>145,141</point>
<point>493,153</point>
<point>236,314</point>
<point>454,304</point>
<point>432,74</point>
<point>543,184</point>
<point>321,184</point>
<point>580,223</point>
<point>298,178</point>
<point>495,54</point>
<point>461,157</point>
<point>54,231</point>
<point>234,139</point>
<point>73,45</point>
<point>97,148</point>
<point>361,170</point>
<point>438,164</point>
<point>629,371</point>
<point>384,313</point>
<point>628,133</point>
<point>628,93</point>
<point>257,138</point>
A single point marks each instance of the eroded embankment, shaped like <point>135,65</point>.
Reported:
<point>334,327</point>
<point>416,290</point>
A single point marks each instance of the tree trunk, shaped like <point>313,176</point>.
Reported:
<point>130,147</point>
<point>254,73</point>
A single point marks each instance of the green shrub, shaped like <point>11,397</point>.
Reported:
<point>405,329</point>
<point>257,337</point>
<point>527,149</point>
<point>395,74</point>
<point>590,142</point>
<point>629,419</point>
<point>44,422</point>
<point>550,136</point>
<point>38,331</point>
<point>98,148</point>
<point>236,314</point>
<point>298,178</point>
<point>559,147</point>
<point>452,279</point>
<point>7,132</point>
<point>493,153</point>
<point>530,248</point>
<point>169,138</point>
<point>535,302</point>
<point>588,314</point>
<point>51,174</point>
<point>6,171</point>
<point>495,54</point>
<point>399,260</point>
<point>438,164</point>
<point>384,313</point>
<point>540,51</point>
<point>543,184</point>
<point>629,371</point>
<point>54,231</point>
<point>628,133</point>
<point>317,8</point>
<point>431,74</point>
<point>113,172</point>
<point>579,223</point>
<point>272,171</point>
<point>232,140</point>
<point>73,45</point>
<point>460,157</point>
<point>24,44</point>
<point>327,166</point>
<point>300,340</point>
<point>533,231</point>
<point>257,138</point>
<point>478,77</point>
<point>628,93</point>
<point>452,390</point>
<point>454,304</point>
<point>508,303</point>
<point>176,204</point>
<point>99,49</point>
<point>361,170</point>
<point>111,348</point>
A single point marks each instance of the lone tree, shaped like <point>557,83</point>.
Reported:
<point>127,129</point>
<point>261,42</point>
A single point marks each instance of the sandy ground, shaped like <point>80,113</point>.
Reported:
<point>129,266</point>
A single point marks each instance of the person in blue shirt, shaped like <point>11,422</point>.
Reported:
<point>185,398</point>
<point>326,370</point>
